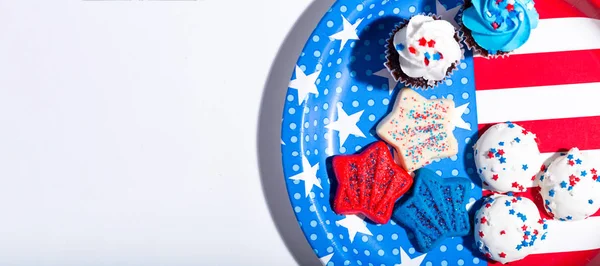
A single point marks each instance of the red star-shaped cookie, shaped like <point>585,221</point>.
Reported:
<point>369,183</point>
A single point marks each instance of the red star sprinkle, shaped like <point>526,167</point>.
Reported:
<point>573,180</point>
<point>488,205</point>
<point>422,41</point>
<point>374,166</point>
<point>441,55</point>
<point>426,61</point>
<point>412,50</point>
<point>502,255</point>
<point>502,232</point>
<point>524,227</point>
<point>525,237</point>
<point>501,152</point>
<point>495,25</point>
<point>490,155</point>
<point>532,178</point>
<point>541,221</point>
<point>593,171</point>
<point>515,184</point>
<point>595,177</point>
<point>481,234</point>
<point>521,188</point>
<point>514,200</point>
<point>571,163</point>
<point>543,168</point>
<point>488,255</point>
<point>483,220</point>
<point>535,232</point>
<point>524,131</point>
<point>431,43</point>
<point>495,177</point>
<point>510,7</point>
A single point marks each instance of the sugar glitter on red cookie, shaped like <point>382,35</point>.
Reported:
<point>369,183</point>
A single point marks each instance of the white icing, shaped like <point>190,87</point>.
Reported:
<point>583,197</point>
<point>521,163</point>
<point>420,130</point>
<point>442,33</point>
<point>501,236</point>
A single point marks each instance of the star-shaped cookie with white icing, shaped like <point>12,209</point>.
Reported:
<point>419,129</point>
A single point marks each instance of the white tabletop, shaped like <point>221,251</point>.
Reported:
<point>147,132</point>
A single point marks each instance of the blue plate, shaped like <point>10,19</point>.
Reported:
<point>338,93</point>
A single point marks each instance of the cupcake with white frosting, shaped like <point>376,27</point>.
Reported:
<point>423,51</point>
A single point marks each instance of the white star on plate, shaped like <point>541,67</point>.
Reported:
<point>304,84</point>
<point>447,14</point>
<point>326,259</point>
<point>308,175</point>
<point>384,73</point>
<point>405,260</point>
<point>346,125</point>
<point>354,224</point>
<point>348,33</point>
<point>457,120</point>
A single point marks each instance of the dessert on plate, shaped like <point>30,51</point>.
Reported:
<point>509,228</point>
<point>507,158</point>
<point>435,210</point>
<point>497,27</point>
<point>423,51</point>
<point>420,130</point>
<point>570,187</point>
<point>369,183</point>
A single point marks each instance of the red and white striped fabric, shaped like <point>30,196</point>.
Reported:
<point>551,86</point>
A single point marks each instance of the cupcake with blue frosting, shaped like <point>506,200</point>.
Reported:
<point>497,27</point>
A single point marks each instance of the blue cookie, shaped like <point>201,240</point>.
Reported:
<point>436,209</point>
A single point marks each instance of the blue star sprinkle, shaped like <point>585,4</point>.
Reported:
<point>511,212</point>
<point>510,124</point>
<point>427,55</point>
<point>590,201</point>
<point>570,157</point>
<point>583,173</point>
<point>518,140</point>
<point>569,218</point>
<point>503,160</point>
<point>525,167</point>
<point>563,184</point>
<point>507,203</point>
<point>436,56</point>
<point>545,227</point>
<point>501,143</point>
<point>524,243</point>
<point>399,47</point>
<point>519,247</point>
<point>544,236</point>
<point>578,161</point>
<point>551,193</point>
<point>510,193</point>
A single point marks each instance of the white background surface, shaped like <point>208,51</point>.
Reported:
<point>147,132</point>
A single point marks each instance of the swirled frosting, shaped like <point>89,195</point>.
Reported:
<point>501,25</point>
<point>427,48</point>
